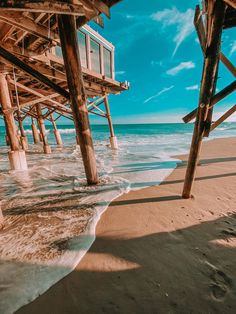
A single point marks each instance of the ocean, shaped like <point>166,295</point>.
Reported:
<point>50,212</point>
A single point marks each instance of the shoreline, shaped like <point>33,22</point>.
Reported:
<point>115,253</point>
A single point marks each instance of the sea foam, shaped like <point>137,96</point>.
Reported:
<point>54,213</point>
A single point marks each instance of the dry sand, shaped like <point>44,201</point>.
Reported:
<point>157,253</point>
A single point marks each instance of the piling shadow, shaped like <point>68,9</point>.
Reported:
<point>190,270</point>
<point>216,176</point>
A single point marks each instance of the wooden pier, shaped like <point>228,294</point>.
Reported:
<point>52,65</point>
<point>210,21</point>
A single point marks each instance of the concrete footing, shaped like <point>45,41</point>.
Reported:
<point>17,160</point>
<point>47,149</point>
<point>113,141</point>
<point>58,138</point>
<point>24,142</point>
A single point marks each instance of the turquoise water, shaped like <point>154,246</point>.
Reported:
<point>101,132</point>
<point>51,214</point>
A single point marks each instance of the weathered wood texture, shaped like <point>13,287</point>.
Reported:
<point>69,44</point>
<point>209,77</point>
<point>232,3</point>
<point>201,32</point>
<point>32,72</point>
<point>108,113</point>
<point>35,132</point>
<point>1,218</point>
<point>28,37</point>
<point>42,129</point>
<point>9,118</point>
<point>56,132</point>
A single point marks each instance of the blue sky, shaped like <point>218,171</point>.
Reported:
<point>157,51</point>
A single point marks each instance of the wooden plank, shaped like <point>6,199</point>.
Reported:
<point>26,24</point>
<point>32,72</point>
<point>97,4</point>
<point>209,77</point>
<point>41,99</point>
<point>49,6</point>
<point>232,3</point>
<point>99,86</point>
<point>223,117</point>
<point>70,50</point>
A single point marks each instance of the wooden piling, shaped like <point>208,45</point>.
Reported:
<point>7,136</point>
<point>16,156</point>
<point>113,139</point>
<point>56,132</point>
<point>209,76</point>
<point>1,218</point>
<point>35,132</point>
<point>23,137</point>
<point>46,147</point>
<point>70,50</point>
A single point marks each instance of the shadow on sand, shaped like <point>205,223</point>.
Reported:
<point>190,270</point>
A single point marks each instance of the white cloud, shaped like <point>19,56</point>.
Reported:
<point>192,87</point>
<point>233,47</point>
<point>164,90</point>
<point>182,66</point>
<point>120,72</point>
<point>129,16</point>
<point>182,20</point>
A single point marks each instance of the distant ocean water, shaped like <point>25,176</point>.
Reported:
<point>51,213</point>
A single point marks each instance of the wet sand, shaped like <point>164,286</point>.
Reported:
<point>157,253</point>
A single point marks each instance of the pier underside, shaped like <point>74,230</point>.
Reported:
<point>38,84</point>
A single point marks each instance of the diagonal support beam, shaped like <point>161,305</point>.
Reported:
<point>41,97</point>
<point>229,65</point>
<point>215,99</point>
<point>49,6</point>
<point>223,117</point>
<point>232,3</point>
<point>32,72</point>
<point>29,25</point>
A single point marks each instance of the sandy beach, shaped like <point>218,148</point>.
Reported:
<point>158,253</point>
